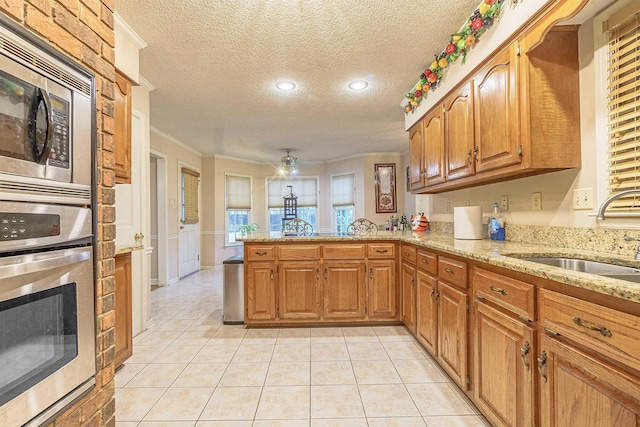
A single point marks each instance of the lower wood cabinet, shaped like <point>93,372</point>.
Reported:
<point>452,333</point>
<point>504,367</point>
<point>408,281</point>
<point>381,290</point>
<point>344,289</point>
<point>123,307</point>
<point>578,389</point>
<point>427,311</point>
<point>299,290</point>
<point>260,291</point>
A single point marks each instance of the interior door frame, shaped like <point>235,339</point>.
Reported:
<point>181,165</point>
<point>163,213</point>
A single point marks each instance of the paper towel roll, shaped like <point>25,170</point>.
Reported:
<point>467,222</point>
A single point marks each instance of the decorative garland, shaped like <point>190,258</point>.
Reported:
<point>459,45</point>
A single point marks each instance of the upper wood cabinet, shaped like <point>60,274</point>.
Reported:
<point>458,133</point>
<point>518,115</point>
<point>122,113</point>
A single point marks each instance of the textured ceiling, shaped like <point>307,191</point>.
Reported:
<point>215,63</point>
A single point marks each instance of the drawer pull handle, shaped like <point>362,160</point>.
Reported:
<point>604,331</point>
<point>260,253</point>
<point>498,290</point>
<point>371,273</point>
<point>450,271</point>
<point>425,261</point>
<point>524,351</point>
<point>382,251</point>
<point>542,360</point>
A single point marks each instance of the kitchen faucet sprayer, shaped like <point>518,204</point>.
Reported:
<point>607,202</point>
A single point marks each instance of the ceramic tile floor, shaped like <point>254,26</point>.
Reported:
<point>190,370</point>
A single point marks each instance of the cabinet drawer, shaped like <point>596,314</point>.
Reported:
<point>381,250</point>
<point>452,271</point>
<point>506,292</point>
<point>409,254</point>
<point>604,330</point>
<point>298,252</point>
<point>260,253</point>
<point>427,262</point>
<point>343,251</point>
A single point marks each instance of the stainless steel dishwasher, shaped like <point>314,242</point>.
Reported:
<point>233,291</point>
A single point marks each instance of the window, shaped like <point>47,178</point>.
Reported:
<point>189,195</point>
<point>342,200</point>
<point>623,96</point>
<point>306,188</point>
<point>238,204</point>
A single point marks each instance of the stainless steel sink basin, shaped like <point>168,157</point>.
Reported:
<point>592,267</point>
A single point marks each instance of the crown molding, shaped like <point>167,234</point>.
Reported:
<point>122,26</point>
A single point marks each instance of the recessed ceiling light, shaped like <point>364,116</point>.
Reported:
<point>358,84</point>
<point>285,85</point>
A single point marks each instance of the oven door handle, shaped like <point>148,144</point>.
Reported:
<point>35,266</point>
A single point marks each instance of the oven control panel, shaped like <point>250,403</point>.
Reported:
<point>19,226</point>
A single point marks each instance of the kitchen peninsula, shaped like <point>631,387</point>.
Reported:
<point>502,327</point>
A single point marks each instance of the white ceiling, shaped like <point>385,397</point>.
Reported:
<point>215,63</point>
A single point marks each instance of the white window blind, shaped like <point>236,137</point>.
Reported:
<point>342,190</point>
<point>624,105</point>
<point>238,192</point>
<point>306,188</point>
<point>190,180</point>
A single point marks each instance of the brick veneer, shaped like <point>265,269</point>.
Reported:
<point>83,29</point>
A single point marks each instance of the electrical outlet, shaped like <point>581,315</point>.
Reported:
<point>583,198</point>
<point>504,203</point>
<point>467,203</point>
<point>536,201</point>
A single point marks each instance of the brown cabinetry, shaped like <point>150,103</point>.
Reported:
<point>408,316</point>
<point>260,291</point>
<point>123,321</point>
<point>426,151</point>
<point>122,137</point>
<point>458,133</point>
<point>427,311</point>
<point>382,299</point>
<point>344,289</point>
<point>299,290</point>
<point>452,333</point>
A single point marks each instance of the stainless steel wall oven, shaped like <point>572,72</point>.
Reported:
<point>47,279</point>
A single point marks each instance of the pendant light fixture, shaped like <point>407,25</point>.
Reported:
<point>288,164</point>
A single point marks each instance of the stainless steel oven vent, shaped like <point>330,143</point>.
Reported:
<point>57,194</point>
<point>17,51</point>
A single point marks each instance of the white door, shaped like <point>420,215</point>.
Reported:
<point>189,233</point>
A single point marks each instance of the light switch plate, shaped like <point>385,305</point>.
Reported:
<point>583,198</point>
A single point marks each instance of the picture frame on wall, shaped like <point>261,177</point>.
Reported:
<point>385,185</point>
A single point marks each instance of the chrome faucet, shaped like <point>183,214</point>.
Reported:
<point>606,203</point>
<point>633,239</point>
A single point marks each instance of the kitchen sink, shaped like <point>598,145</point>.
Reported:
<point>592,267</point>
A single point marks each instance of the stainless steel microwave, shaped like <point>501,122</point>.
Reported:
<point>45,125</point>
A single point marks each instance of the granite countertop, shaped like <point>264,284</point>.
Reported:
<point>127,249</point>
<point>503,254</point>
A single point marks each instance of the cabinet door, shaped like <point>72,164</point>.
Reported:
<point>504,368</point>
<point>123,330</point>
<point>452,333</point>
<point>427,311</point>
<point>496,96</point>
<point>122,138</point>
<point>299,290</point>
<point>458,133</point>
<point>433,140</point>
<point>416,157</point>
<point>409,297</point>
<point>577,389</point>
<point>260,291</point>
<point>344,289</point>
<point>382,289</point>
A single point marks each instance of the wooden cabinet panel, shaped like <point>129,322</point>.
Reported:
<point>428,262</point>
<point>343,251</point>
<point>433,140</point>
<point>504,367</point>
<point>122,137</point>
<point>579,390</point>
<point>452,271</point>
<point>381,250</point>
<point>298,252</point>
<point>607,331</point>
<point>409,254</point>
<point>259,253</point>
<point>416,157</point>
<point>123,295</point>
<point>452,333</point>
<point>408,316</point>
<point>382,289</point>
<point>344,290</point>
<point>299,290</point>
<point>427,311</point>
<point>511,294</point>
<point>260,291</point>
<point>496,95</point>
<point>458,133</point>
